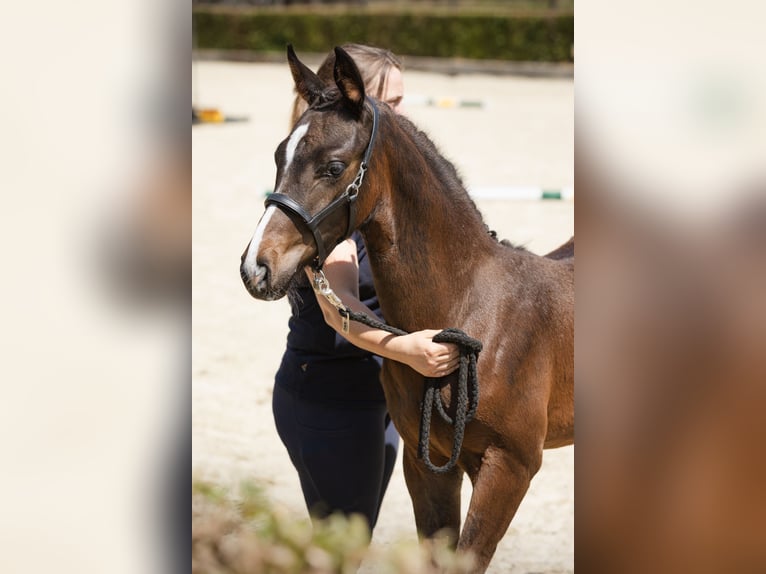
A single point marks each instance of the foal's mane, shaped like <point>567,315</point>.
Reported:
<point>453,187</point>
<point>325,99</point>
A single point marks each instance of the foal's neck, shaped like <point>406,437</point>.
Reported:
<point>424,233</point>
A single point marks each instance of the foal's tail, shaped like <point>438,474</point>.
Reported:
<point>564,251</point>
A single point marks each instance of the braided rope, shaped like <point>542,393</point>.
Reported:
<point>467,390</point>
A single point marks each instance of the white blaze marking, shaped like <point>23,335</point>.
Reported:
<point>293,142</point>
<point>255,242</point>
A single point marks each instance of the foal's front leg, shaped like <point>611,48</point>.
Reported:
<point>435,497</point>
<point>499,487</point>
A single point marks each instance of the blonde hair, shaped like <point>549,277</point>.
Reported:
<point>374,65</point>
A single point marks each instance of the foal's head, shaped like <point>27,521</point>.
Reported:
<point>312,208</point>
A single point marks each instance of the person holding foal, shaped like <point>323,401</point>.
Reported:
<point>328,403</point>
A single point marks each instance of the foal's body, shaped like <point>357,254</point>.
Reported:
<point>435,264</point>
<point>520,306</point>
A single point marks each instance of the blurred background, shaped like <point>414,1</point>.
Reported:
<point>670,173</point>
<point>670,145</point>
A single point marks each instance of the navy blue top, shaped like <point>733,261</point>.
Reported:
<point>319,363</point>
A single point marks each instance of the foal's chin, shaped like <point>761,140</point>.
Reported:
<point>267,295</point>
<point>264,290</point>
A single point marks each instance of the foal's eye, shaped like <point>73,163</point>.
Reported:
<point>335,168</point>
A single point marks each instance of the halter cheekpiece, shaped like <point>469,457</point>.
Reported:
<point>347,198</point>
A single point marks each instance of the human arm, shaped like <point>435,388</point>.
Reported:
<point>416,350</point>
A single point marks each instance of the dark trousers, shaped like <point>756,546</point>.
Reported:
<point>344,453</point>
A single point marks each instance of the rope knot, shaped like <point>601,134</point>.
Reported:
<point>459,338</point>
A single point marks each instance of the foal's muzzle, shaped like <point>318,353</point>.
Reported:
<point>257,281</point>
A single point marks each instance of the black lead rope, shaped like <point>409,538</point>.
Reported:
<point>467,389</point>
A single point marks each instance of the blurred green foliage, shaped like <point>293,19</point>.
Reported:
<point>243,533</point>
<point>529,35</point>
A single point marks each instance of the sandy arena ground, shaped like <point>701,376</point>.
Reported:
<point>522,135</point>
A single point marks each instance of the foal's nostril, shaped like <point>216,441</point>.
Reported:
<point>261,272</point>
<point>255,276</point>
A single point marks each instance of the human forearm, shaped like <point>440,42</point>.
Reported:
<point>416,350</point>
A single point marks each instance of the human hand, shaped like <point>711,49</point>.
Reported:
<point>426,357</point>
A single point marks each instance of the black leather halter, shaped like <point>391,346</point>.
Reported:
<point>347,198</point>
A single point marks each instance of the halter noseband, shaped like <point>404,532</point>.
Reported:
<point>348,198</point>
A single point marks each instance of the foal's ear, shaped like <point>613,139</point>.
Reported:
<point>307,83</point>
<point>349,81</point>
